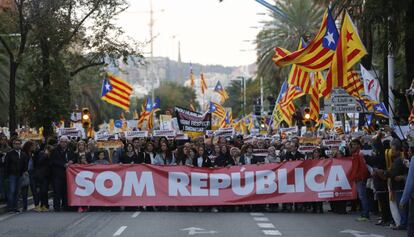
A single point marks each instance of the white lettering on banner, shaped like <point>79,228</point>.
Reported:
<point>131,182</point>
<point>265,182</point>
<point>86,186</point>
<point>218,181</point>
<point>337,178</point>
<point>311,179</point>
<point>248,183</point>
<point>200,184</point>
<point>284,187</point>
<point>177,183</point>
<point>100,183</point>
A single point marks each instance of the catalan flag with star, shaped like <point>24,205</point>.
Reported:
<point>318,54</point>
<point>220,89</point>
<point>348,52</point>
<point>116,91</point>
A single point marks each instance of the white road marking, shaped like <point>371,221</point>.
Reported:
<point>256,214</point>
<point>135,214</point>
<point>266,225</point>
<point>120,230</point>
<point>272,232</point>
<point>261,218</point>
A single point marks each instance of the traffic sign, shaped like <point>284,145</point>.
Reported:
<point>341,99</point>
<point>343,108</point>
<point>118,123</point>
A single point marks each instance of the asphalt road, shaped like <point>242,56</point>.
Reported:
<point>171,224</point>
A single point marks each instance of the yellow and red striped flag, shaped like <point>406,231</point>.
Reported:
<point>217,110</point>
<point>314,101</point>
<point>299,77</point>
<point>349,51</point>
<point>220,89</point>
<point>116,91</point>
<point>327,120</point>
<point>203,83</point>
<point>354,85</point>
<point>317,56</point>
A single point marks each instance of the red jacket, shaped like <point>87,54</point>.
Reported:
<point>359,168</point>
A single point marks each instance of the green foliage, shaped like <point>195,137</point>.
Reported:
<point>171,95</point>
<point>303,19</point>
<point>234,102</point>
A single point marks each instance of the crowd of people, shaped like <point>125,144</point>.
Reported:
<point>40,166</point>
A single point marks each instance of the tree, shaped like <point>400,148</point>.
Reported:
<point>302,19</point>
<point>171,95</point>
<point>252,91</point>
<point>14,30</point>
<point>66,47</point>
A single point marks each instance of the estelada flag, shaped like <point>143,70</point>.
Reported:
<point>116,91</point>
<point>318,54</point>
<point>348,52</point>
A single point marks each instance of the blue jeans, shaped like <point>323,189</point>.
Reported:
<point>362,195</point>
<point>13,190</point>
<point>403,213</point>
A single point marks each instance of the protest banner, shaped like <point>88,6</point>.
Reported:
<point>148,185</point>
<point>170,134</point>
<point>166,122</point>
<point>132,134</point>
<point>190,121</point>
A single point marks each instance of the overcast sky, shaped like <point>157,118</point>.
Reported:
<point>210,32</point>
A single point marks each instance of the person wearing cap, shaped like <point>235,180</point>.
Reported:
<point>60,159</point>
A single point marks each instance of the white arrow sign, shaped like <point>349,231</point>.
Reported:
<point>357,233</point>
<point>196,230</point>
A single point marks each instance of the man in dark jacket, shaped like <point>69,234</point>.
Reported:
<point>292,152</point>
<point>4,148</point>
<point>16,166</point>
<point>60,159</point>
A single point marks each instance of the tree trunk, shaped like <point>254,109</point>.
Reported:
<point>45,105</point>
<point>12,95</point>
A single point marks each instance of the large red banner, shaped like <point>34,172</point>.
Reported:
<point>148,185</point>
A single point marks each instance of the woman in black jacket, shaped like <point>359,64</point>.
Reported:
<point>224,159</point>
<point>201,159</point>
<point>129,156</point>
<point>42,176</point>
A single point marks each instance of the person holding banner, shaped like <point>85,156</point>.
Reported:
<point>129,156</point>
<point>202,159</point>
<point>247,155</point>
<point>271,155</point>
<point>61,158</point>
<point>235,155</point>
<point>149,154</point>
<point>164,156</point>
<point>81,152</point>
<point>224,158</point>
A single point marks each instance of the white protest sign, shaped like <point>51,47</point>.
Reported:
<point>133,134</point>
<point>164,133</point>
